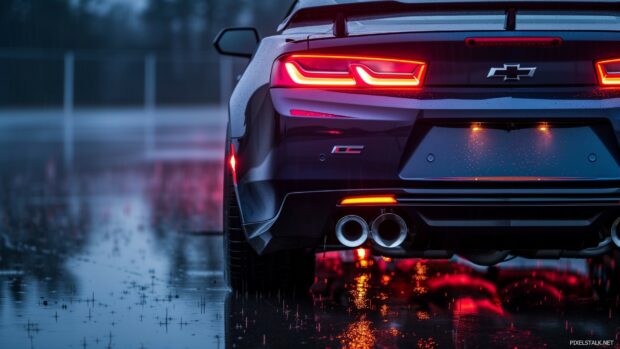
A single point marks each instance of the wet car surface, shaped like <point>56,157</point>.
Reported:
<point>128,254</point>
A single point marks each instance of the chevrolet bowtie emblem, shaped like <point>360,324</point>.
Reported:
<point>511,72</point>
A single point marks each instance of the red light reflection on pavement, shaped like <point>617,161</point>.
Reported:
<point>381,295</point>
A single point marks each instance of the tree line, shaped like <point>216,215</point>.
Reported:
<point>175,25</point>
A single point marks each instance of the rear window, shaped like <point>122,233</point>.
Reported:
<point>475,21</point>
<point>531,20</point>
<point>430,22</point>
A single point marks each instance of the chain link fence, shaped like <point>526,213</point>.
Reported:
<point>172,106</point>
<point>34,78</point>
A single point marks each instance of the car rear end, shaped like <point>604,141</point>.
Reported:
<point>428,129</point>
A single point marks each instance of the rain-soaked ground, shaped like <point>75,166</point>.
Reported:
<point>128,254</point>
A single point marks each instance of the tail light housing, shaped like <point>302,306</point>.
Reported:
<point>608,72</point>
<point>340,71</point>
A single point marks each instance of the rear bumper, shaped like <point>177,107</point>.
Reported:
<point>290,181</point>
<point>454,220</point>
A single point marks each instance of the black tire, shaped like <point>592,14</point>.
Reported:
<point>605,275</point>
<point>291,271</point>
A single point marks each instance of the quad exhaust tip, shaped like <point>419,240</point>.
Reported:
<point>389,230</point>
<point>614,232</point>
<point>352,231</point>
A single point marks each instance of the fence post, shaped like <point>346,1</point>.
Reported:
<point>226,80</point>
<point>68,91</point>
<point>150,89</point>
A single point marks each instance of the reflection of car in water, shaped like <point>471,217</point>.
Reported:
<point>462,299</point>
<point>454,285</point>
<point>423,129</point>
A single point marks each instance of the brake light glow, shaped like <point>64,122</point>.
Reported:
<point>313,114</point>
<point>372,78</point>
<point>369,200</point>
<point>608,72</point>
<point>514,41</point>
<point>302,77</point>
<point>233,163</point>
<point>302,70</point>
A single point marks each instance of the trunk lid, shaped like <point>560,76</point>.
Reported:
<point>515,59</point>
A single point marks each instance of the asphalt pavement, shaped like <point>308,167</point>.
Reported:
<point>114,241</point>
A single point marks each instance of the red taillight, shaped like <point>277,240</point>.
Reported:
<point>233,163</point>
<point>313,114</point>
<point>514,41</point>
<point>608,72</point>
<point>299,70</point>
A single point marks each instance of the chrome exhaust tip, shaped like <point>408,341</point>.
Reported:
<point>614,232</point>
<point>389,230</point>
<point>352,231</point>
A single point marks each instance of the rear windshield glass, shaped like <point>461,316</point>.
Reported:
<point>430,22</point>
<point>526,20</point>
<point>530,20</point>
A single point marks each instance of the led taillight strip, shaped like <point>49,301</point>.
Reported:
<point>607,76</point>
<point>514,41</point>
<point>309,70</point>
<point>372,78</point>
<point>301,77</point>
<point>369,200</point>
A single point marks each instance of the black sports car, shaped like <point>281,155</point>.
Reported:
<point>423,128</point>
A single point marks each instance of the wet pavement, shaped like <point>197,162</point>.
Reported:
<point>123,250</point>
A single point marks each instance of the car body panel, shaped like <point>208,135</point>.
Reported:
<point>511,186</point>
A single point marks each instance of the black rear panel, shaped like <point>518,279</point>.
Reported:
<point>512,151</point>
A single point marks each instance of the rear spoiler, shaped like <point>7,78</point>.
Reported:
<point>339,13</point>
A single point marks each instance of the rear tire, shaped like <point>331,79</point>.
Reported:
<point>291,271</point>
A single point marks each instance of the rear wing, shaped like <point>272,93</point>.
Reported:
<point>339,13</point>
